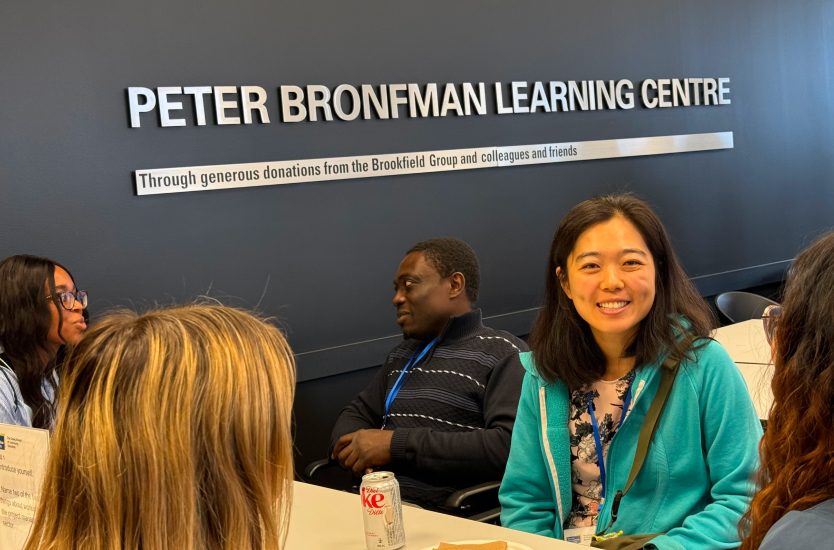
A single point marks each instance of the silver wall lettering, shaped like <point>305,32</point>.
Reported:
<point>220,105</point>
<point>314,102</point>
<point>133,95</point>
<point>723,91</point>
<point>644,93</point>
<point>199,107</point>
<point>354,98</point>
<point>518,97</point>
<point>288,104</point>
<point>165,107</point>
<point>248,104</point>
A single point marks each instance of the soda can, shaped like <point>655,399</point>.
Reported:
<point>382,510</point>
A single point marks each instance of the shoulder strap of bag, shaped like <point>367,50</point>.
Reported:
<point>667,377</point>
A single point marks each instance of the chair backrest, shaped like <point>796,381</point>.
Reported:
<point>742,306</point>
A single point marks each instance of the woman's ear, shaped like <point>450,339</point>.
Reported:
<point>563,280</point>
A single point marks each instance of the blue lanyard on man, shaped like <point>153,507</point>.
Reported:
<point>598,439</point>
<point>415,358</point>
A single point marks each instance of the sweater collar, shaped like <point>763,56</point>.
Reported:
<point>463,326</point>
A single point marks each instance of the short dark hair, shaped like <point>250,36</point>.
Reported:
<point>562,342</point>
<point>448,256</point>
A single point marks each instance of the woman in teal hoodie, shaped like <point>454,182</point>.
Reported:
<point>617,305</point>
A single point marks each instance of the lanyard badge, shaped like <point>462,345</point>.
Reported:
<point>415,358</point>
<point>598,439</point>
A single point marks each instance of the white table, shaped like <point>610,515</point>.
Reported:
<point>324,519</point>
<point>747,345</point>
<point>745,342</point>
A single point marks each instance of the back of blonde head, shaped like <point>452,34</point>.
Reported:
<point>173,433</point>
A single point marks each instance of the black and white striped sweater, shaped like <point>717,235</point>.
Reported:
<point>453,416</point>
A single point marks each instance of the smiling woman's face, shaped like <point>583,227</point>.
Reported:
<point>73,320</point>
<point>611,278</point>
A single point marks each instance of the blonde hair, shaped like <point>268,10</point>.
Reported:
<point>173,433</point>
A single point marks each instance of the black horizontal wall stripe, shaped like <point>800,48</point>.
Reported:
<point>321,363</point>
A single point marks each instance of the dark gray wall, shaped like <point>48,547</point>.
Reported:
<point>317,406</point>
<point>321,256</point>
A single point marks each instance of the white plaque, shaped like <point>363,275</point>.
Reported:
<point>23,454</point>
<point>228,176</point>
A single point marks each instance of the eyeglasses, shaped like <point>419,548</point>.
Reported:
<point>770,318</point>
<point>68,298</point>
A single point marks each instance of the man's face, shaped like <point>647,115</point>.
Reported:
<point>421,299</point>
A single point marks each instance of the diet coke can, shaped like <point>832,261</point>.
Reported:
<point>382,511</point>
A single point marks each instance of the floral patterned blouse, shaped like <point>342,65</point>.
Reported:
<point>609,398</point>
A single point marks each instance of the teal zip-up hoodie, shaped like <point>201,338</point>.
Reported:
<point>697,479</point>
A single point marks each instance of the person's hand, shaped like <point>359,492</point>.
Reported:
<point>363,450</point>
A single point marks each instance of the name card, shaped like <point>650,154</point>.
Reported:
<point>23,454</point>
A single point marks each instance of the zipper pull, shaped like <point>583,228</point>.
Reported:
<point>616,506</point>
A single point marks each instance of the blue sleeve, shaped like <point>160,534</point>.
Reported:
<point>7,403</point>
<point>731,431</point>
<point>526,496</point>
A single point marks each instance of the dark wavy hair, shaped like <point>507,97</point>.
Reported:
<point>563,345</point>
<point>797,450</point>
<point>24,327</point>
<point>448,256</point>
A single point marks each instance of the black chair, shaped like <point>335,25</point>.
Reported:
<point>478,503</point>
<point>742,306</point>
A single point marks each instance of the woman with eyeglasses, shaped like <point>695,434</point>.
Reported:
<point>41,312</point>
<point>794,507</point>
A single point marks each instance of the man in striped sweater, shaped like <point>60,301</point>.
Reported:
<point>440,411</point>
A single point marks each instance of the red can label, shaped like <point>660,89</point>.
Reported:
<point>372,500</point>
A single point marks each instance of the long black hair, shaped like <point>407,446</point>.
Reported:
<point>563,345</point>
<point>25,320</point>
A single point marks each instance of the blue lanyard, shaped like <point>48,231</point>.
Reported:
<point>598,440</point>
<point>403,375</point>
